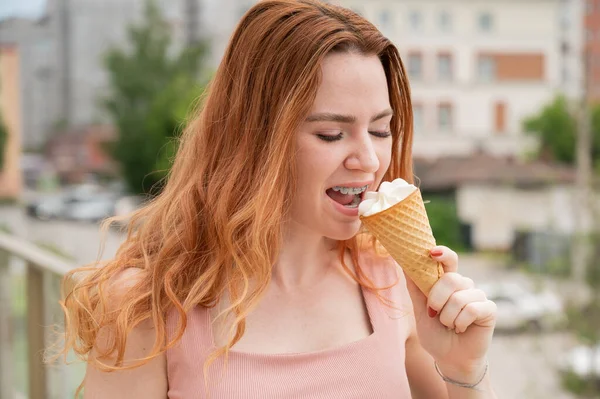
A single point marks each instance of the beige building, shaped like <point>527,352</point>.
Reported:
<point>10,108</point>
<point>499,197</point>
<point>479,67</point>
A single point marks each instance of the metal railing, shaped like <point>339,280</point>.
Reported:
<point>30,279</point>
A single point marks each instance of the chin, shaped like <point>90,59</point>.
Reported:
<point>345,232</point>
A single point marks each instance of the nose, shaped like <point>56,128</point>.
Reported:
<point>363,157</point>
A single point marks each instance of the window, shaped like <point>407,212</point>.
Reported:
<point>485,22</point>
<point>500,114</point>
<point>418,117</point>
<point>415,66</point>
<point>445,117</point>
<point>415,20</point>
<point>444,67</point>
<point>486,68</point>
<point>445,21</point>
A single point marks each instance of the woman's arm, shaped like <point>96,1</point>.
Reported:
<point>454,325</point>
<point>425,382</point>
<point>145,382</point>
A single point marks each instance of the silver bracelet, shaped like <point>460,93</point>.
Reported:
<point>458,383</point>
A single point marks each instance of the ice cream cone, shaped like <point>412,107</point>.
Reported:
<point>405,233</point>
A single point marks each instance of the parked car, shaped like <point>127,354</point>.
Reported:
<point>48,207</point>
<point>85,202</point>
<point>89,210</point>
<point>521,309</point>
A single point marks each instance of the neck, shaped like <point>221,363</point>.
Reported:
<point>304,259</point>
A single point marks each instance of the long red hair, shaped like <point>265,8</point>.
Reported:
<point>217,223</point>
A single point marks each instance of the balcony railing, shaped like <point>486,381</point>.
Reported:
<point>30,279</point>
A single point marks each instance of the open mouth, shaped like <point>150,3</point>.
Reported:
<point>349,197</point>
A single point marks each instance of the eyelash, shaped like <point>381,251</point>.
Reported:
<point>339,136</point>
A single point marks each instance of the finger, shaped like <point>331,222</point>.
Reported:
<point>447,257</point>
<point>457,303</point>
<point>480,313</point>
<point>445,287</point>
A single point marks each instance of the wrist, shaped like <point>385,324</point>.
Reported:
<point>468,374</point>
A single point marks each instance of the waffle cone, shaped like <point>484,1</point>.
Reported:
<point>405,233</point>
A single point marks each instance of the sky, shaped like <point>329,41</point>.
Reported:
<point>21,8</point>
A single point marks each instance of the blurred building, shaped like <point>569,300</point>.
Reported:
<point>10,109</point>
<point>499,198</point>
<point>37,76</point>
<point>81,154</point>
<point>592,43</point>
<point>477,68</point>
<point>62,73</point>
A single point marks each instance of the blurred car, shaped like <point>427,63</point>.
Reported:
<point>582,360</point>
<point>520,309</point>
<point>89,210</point>
<point>48,207</point>
<point>84,202</point>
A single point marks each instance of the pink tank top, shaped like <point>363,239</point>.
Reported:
<point>373,367</point>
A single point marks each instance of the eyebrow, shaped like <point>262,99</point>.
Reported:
<point>331,117</point>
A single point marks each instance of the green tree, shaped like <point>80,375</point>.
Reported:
<point>150,94</point>
<point>556,127</point>
<point>3,142</point>
<point>444,221</point>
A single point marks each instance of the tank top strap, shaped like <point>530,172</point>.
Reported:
<point>390,283</point>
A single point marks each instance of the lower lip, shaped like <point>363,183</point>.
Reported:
<point>343,209</point>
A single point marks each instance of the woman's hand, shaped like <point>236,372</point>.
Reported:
<point>456,322</point>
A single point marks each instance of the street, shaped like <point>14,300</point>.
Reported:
<point>521,365</point>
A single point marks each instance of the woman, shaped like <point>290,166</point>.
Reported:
<point>244,278</point>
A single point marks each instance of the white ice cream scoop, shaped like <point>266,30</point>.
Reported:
<point>389,194</point>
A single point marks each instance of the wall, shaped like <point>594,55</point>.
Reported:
<point>497,212</point>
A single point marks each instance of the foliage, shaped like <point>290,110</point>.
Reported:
<point>151,93</point>
<point>556,127</point>
<point>586,388</point>
<point>444,221</point>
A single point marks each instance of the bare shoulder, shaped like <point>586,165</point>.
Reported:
<point>147,381</point>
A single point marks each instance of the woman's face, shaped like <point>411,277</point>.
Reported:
<point>344,146</point>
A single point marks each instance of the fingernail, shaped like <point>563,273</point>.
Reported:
<point>432,313</point>
<point>437,252</point>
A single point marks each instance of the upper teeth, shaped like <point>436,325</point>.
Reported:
<point>350,190</point>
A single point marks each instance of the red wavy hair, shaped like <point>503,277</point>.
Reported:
<point>217,223</point>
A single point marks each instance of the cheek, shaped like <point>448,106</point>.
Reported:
<point>385,158</point>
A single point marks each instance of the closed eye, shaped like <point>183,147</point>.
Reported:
<point>328,137</point>
<point>381,134</point>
